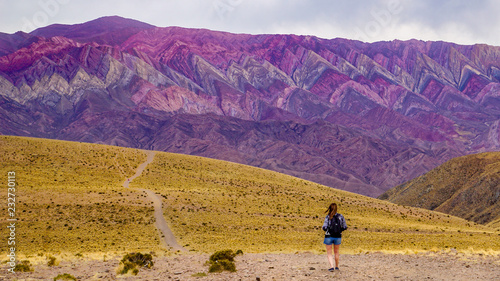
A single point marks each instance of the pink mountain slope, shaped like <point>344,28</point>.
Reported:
<point>357,116</point>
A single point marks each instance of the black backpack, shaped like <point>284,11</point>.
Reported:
<point>335,226</point>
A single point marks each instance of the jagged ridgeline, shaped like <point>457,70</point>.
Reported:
<point>70,199</point>
<point>362,117</point>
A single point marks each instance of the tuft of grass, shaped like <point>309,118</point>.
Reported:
<point>222,255</point>
<point>222,260</point>
<point>222,265</point>
<point>52,261</point>
<point>65,277</point>
<point>141,260</point>
<point>23,266</point>
<point>126,267</point>
<point>133,261</point>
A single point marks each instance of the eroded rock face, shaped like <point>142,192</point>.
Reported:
<point>357,116</point>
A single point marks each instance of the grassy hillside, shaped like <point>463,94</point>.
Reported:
<point>213,204</point>
<point>467,187</point>
<point>71,200</point>
<point>495,224</point>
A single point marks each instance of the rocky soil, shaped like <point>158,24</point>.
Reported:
<point>300,266</point>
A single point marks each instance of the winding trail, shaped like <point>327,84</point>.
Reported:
<point>167,238</point>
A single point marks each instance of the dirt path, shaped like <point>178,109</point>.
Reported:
<point>167,238</point>
<point>161,223</point>
<point>140,169</point>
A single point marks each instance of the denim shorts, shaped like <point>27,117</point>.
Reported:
<point>331,240</point>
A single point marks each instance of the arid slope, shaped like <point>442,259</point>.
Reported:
<point>467,187</point>
<point>71,200</point>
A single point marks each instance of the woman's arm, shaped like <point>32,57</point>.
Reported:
<point>325,223</point>
<point>342,221</point>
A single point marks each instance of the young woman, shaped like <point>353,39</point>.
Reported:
<point>333,234</point>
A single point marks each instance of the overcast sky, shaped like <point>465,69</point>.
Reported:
<point>459,21</point>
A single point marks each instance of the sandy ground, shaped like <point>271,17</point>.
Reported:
<point>301,266</point>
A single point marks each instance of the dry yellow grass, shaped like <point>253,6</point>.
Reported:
<point>213,205</point>
<point>71,201</point>
<point>465,186</point>
<point>495,224</point>
<point>69,198</point>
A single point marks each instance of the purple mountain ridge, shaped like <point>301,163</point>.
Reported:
<point>362,117</point>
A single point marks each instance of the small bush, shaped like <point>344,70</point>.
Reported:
<point>23,266</point>
<point>222,265</point>
<point>222,260</point>
<point>133,261</point>
<point>222,255</point>
<point>215,267</point>
<point>142,260</point>
<point>65,277</point>
<point>52,261</point>
<point>125,267</point>
<point>228,265</point>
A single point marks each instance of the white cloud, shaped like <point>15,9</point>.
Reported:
<point>459,21</point>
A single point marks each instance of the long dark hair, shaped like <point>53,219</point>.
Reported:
<point>332,210</point>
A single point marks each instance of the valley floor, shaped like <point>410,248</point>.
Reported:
<point>301,266</point>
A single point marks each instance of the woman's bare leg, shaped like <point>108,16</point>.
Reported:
<point>329,255</point>
<point>336,249</point>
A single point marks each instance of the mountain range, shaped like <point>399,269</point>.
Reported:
<point>362,117</point>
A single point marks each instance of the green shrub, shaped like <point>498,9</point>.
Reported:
<point>23,266</point>
<point>222,255</point>
<point>133,261</point>
<point>125,267</point>
<point>222,260</point>
<point>228,265</point>
<point>215,267</point>
<point>65,277</point>
<point>52,261</point>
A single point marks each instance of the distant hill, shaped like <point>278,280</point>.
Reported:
<point>363,117</point>
<point>467,187</point>
<point>106,30</point>
<point>70,200</point>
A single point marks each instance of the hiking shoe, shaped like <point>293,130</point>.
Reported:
<point>336,268</point>
<point>331,269</point>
